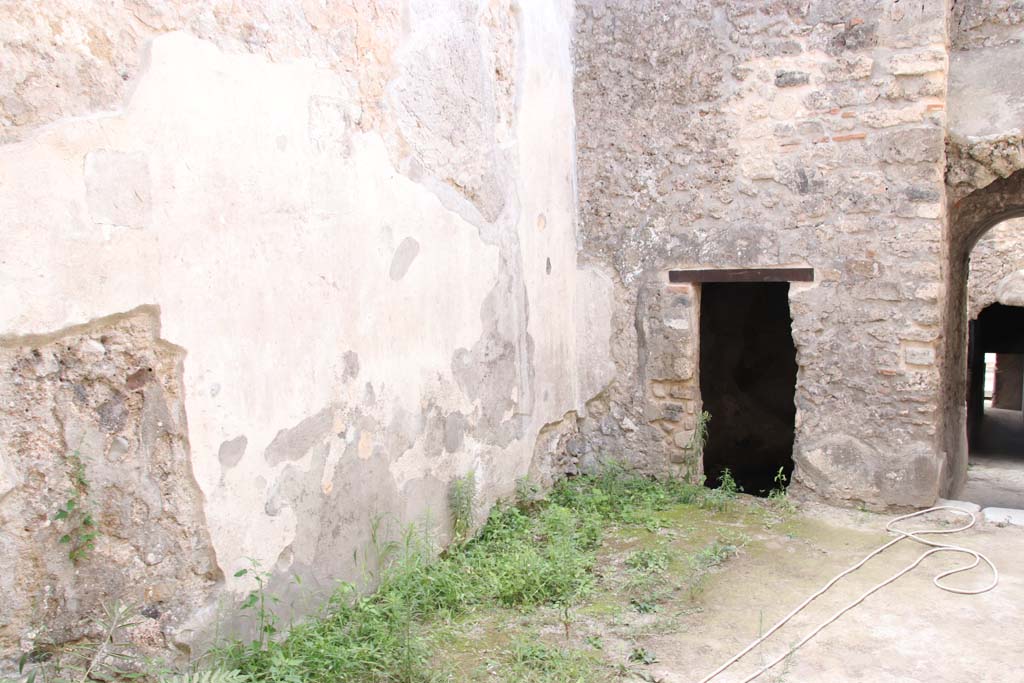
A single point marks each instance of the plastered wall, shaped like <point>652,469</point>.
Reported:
<point>273,271</point>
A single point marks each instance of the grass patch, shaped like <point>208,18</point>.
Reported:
<point>617,495</point>
<point>703,562</point>
<point>649,560</point>
<point>519,559</point>
<point>532,661</point>
<point>646,580</point>
<point>539,554</point>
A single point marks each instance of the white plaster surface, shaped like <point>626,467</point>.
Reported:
<point>263,280</point>
<point>984,97</point>
<point>247,199</point>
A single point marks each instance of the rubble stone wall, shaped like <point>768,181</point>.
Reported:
<point>751,134</point>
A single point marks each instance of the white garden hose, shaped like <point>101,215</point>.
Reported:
<point>913,535</point>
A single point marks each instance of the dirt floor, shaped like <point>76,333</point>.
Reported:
<point>683,590</point>
<point>911,631</point>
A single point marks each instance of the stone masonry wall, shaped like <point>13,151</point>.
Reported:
<point>350,227</point>
<point>977,24</point>
<point>738,133</point>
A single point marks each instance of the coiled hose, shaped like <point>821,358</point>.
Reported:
<point>935,548</point>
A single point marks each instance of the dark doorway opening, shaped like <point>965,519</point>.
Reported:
<point>994,379</point>
<point>994,418</point>
<point>748,380</point>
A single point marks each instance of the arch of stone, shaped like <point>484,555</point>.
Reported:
<point>970,217</point>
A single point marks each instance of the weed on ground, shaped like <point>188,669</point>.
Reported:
<point>510,603</point>
<point>552,589</point>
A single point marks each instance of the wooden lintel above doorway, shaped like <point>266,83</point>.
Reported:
<point>741,275</point>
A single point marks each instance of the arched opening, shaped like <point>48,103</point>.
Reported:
<point>980,334</point>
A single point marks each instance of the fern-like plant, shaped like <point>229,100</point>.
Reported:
<point>461,502</point>
<point>700,435</point>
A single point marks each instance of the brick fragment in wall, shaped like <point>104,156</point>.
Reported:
<point>789,79</point>
<point>918,63</point>
<point>919,355</point>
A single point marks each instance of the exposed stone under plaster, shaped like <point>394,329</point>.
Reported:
<point>95,415</point>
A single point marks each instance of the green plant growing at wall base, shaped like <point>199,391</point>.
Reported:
<point>108,657</point>
<point>256,603</point>
<point>528,494</point>
<point>777,496</point>
<point>461,503</point>
<point>700,435</point>
<point>719,499</point>
<point>76,521</point>
<point>543,556</point>
<point>698,441</point>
